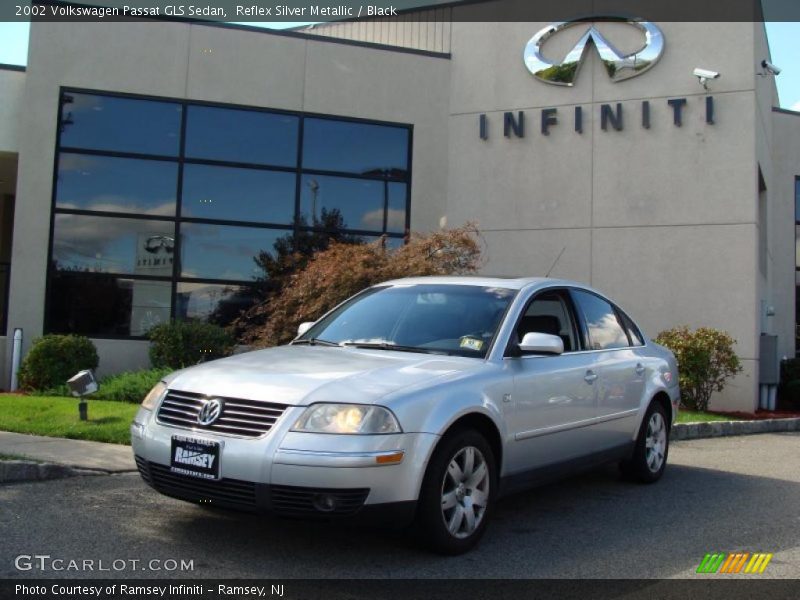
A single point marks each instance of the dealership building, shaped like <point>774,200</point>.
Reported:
<point>144,164</point>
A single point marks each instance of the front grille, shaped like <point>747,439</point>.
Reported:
<point>245,418</point>
<point>225,492</point>
<point>299,501</point>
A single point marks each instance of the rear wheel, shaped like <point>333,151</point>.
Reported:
<point>652,447</point>
<point>457,493</point>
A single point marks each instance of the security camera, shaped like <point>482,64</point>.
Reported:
<point>705,75</point>
<point>770,68</point>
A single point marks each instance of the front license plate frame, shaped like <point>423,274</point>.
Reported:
<point>195,457</point>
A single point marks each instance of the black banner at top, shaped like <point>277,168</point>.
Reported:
<point>313,11</point>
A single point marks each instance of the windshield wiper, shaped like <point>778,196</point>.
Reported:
<point>314,342</point>
<point>387,346</point>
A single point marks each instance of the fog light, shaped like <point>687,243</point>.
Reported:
<point>324,502</point>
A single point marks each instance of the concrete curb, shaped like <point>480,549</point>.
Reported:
<point>15,471</point>
<point>696,431</point>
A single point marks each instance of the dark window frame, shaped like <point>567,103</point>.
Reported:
<point>175,279</point>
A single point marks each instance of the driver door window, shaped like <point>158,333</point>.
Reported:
<point>549,313</point>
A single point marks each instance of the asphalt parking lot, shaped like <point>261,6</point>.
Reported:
<point>718,495</point>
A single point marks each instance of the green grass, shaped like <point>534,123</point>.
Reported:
<point>58,417</point>
<point>16,457</point>
<point>694,416</point>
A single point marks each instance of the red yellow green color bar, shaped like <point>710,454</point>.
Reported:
<point>739,562</point>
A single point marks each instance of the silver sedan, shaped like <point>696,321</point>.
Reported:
<point>422,399</point>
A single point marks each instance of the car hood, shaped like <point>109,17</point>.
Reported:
<point>301,375</point>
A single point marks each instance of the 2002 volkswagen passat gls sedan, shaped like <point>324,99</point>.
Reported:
<point>423,398</point>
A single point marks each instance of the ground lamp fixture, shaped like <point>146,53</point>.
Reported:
<point>80,385</point>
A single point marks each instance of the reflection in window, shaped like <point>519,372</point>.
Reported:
<point>113,245</point>
<point>229,194</point>
<point>131,202</point>
<point>221,252</point>
<point>243,136</point>
<point>105,183</point>
<point>120,124</point>
<point>91,304</point>
<point>361,148</point>
<point>605,332</point>
<point>360,201</point>
<point>214,303</point>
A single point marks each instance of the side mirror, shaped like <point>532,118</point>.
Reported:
<point>304,327</point>
<point>541,343</point>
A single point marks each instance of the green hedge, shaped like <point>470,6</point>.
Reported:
<point>131,386</point>
<point>53,359</point>
<point>180,344</point>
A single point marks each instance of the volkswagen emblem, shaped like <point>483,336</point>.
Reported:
<point>618,66</point>
<point>210,411</point>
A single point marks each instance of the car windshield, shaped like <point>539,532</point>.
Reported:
<point>436,318</point>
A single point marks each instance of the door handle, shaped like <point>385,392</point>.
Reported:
<point>639,369</point>
<point>590,377</point>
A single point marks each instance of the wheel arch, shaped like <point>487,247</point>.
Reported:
<point>662,398</point>
<point>484,425</point>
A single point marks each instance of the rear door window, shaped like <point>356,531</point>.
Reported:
<point>603,327</point>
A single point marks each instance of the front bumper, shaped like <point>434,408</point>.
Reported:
<point>291,473</point>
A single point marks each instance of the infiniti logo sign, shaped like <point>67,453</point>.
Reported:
<point>618,66</point>
<point>210,412</point>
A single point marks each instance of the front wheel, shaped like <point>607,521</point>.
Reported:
<point>457,493</point>
<point>652,447</point>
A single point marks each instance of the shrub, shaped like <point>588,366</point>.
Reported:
<point>180,344</point>
<point>706,361</point>
<point>131,386</point>
<point>342,270</point>
<point>55,358</point>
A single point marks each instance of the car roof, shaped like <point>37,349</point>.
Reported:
<point>513,283</point>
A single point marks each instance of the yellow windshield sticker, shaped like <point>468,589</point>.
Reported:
<point>471,344</point>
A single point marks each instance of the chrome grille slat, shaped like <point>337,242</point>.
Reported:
<point>227,419</point>
<point>178,410</point>
<point>236,411</point>
<point>243,418</point>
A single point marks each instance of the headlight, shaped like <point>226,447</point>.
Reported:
<point>347,418</point>
<point>154,396</point>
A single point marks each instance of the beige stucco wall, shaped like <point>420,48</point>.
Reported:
<point>12,86</point>
<point>663,219</point>
<point>210,64</point>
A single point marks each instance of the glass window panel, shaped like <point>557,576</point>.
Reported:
<point>396,214</point>
<point>120,124</point>
<point>244,136</point>
<point>238,194</point>
<point>359,202</point>
<point>99,304</point>
<point>213,303</point>
<point>797,246</point>
<point>113,245</point>
<point>355,147</point>
<point>105,183</point>
<point>797,199</point>
<point>605,332</point>
<point>223,252</point>
<point>392,243</point>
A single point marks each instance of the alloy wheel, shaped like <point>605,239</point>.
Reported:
<point>655,442</point>
<point>465,492</point>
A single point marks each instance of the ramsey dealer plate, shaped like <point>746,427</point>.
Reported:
<point>195,457</point>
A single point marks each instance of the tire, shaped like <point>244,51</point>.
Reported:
<point>458,526</point>
<point>650,453</point>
